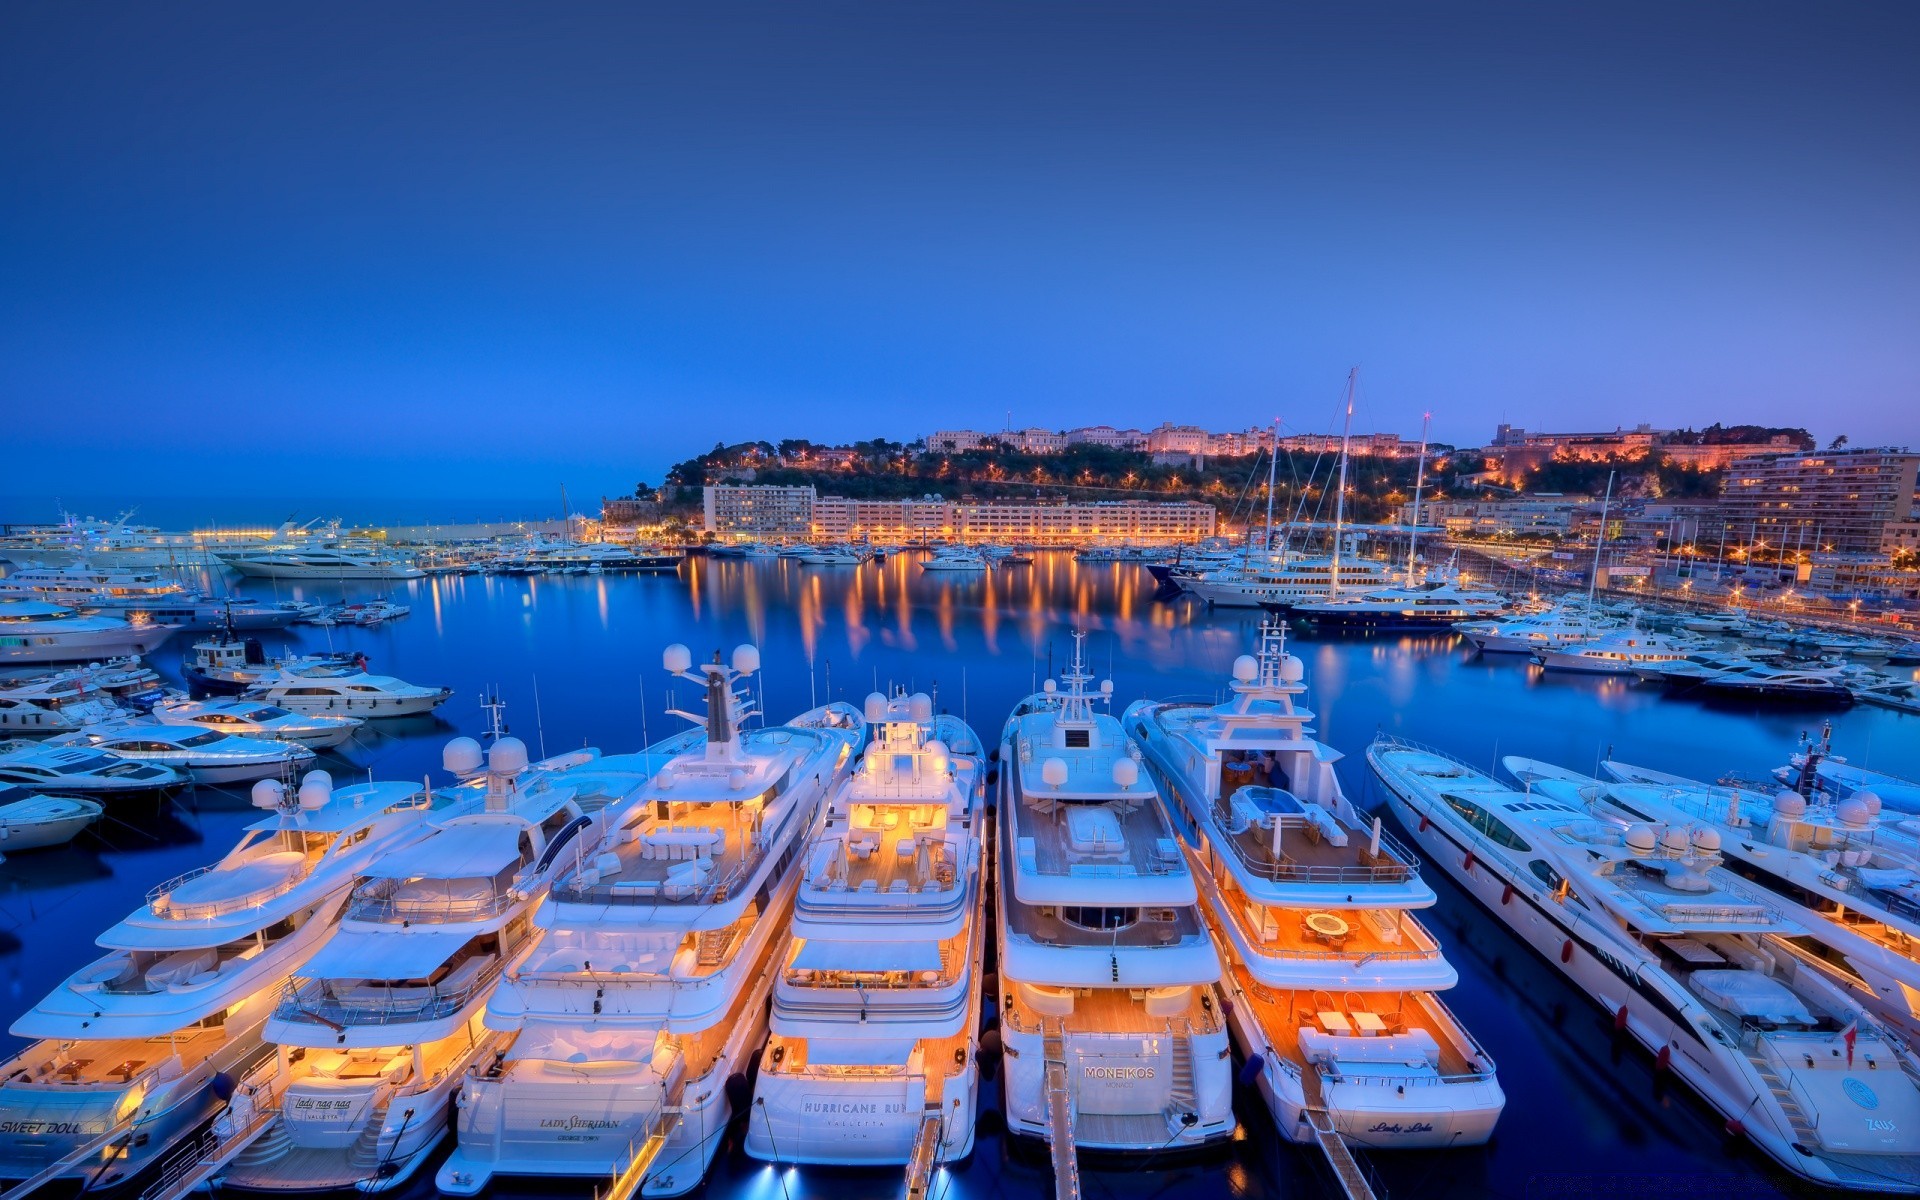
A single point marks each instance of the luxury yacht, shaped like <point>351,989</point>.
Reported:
<point>250,718</point>
<point>227,664</point>
<point>1110,1011</point>
<point>378,1029</point>
<point>1421,607</point>
<point>1533,632</point>
<point>148,596</point>
<point>29,821</point>
<point>346,690</point>
<point>1690,960</point>
<point>1754,679</point>
<point>876,1008</point>
<point>202,755</point>
<point>34,631</point>
<point>647,989</point>
<point>139,1049</point>
<point>1842,869</point>
<point>1331,977</point>
<point>1814,767</point>
<point>1615,652</point>
<point>833,556</point>
<point>60,703</point>
<point>1293,580</point>
<point>341,561</point>
<point>955,558</point>
<point>82,771</point>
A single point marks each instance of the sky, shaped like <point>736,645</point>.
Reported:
<point>468,254</point>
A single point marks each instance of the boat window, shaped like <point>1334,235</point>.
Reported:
<point>1545,872</point>
<point>1094,917</point>
<point>202,739</point>
<point>1485,822</point>
<point>1078,739</point>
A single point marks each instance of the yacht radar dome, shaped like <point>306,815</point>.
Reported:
<point>1641,839</point>
<point>1706,841</point>
<point>461,756</point>
<point>1048,687</point>
<point>1292,670</point>
<point>746,658</point>
<point>315,790</point>
<point>268,793</point>
<point>1246,668</point>
<point>920,706</point>
<point>507,757</point>
<point>1674,841</point>
<point>736,780</point>
<point>1789,803</point>
<point>875,707</point>
<point>1870,798</point>
<point>1126,772</point>
<point>677,658</point>
<point>1054,772</point>
<point>1853,814</point>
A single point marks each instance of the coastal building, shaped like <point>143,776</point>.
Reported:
<point>1035,440</point>
<point>1108,436</point>
<point>956,441</point>
<point>1117,522</point>
<point>758,510</point>
<point>1518,516</point>
<point>847,519</point>
<point>1167,438</point>
<point>1837,502</point>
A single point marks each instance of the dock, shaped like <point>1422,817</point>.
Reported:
<point>1059,1098</point>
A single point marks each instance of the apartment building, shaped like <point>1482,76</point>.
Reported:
<point>1106,522</point>
<point>1544,513</point>
<point>1838,502</point>
<point>755,511</point>
<point>846,519</point>
<point>1107,435</point>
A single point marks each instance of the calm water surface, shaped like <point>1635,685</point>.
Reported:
<point>577,659</point>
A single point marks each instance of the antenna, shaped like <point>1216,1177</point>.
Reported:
<point>644,739</point>
<point>539,726</point>
<point>496,728</point>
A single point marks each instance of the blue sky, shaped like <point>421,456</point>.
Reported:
<point>481,251</point>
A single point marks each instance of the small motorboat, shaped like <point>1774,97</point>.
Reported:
<point>203,755</point>
<point>251,718</point>
<point>81,770</point>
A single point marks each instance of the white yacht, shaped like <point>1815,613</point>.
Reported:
<point>1615,652</point>
<point>378,1029</point>
<point>344,560</point>
<point>82,771</point>
<point>1814,767</point>
<point>1290,581</point>
<point>34,631</point>
<point>1530,633</point>
<point>29,821</point>
<point>1754,679</point>
<point>1111,1017</point>
<point>143,595</point>
<point>647,990</point>
<point>832,556</point>
<point>876,1010</point>
<point>139,1049</point>
<point>1421,606</point>
<point>58,703</point>
<point>346,690</point>
<point>955,558</point>
<point>1330,976</point>
<point>228,664</point>
<point>1687,958</point>
<point>250,718</point>
<point>1847,872</point>
<point>202,755</point>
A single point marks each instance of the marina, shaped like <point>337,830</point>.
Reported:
<point>1225,871</point>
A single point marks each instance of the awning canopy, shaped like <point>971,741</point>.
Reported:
<point>817,954</point>
<point>384,954</point>
<point>456,852</point>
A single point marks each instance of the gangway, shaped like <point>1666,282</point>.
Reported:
<point>926,1149</point>
<point>1353,1182</point>
<point>1059,1097</point>
<point>201,1158</point>
<point>641,1155</point>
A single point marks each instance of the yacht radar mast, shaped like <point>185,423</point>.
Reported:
<point>728,707</point>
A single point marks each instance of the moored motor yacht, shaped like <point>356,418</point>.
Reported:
<point>955,558</point>
<point>1438,606</point>
<point>1330,976</point>
<point>1814,767</point>
<point>1532,632</point>
<point>227,664</point>
<point>344,690</point>
<point>82,771</point>
<point>137,1050</point>
<point>1686,957</point>
<point>58,703</point>
<point>378,1028</point>
<point>344,560</point>
<point>202,755</point>
<point>875,1024</point>
<point>34,631</point>
<point>250,718</point>
<point>29,821</point>
<point>647,990</point>
<point>1615,652</point>
<point>1110,1010</point>
<point>1755,680</point>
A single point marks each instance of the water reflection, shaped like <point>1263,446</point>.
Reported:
<point>1577,1100</point>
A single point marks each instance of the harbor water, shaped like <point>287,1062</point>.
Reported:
<point>576,659</point>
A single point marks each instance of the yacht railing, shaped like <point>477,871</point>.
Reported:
<point>158,898</point>
<point>379,903</point>
<point>1397,864</point>
<point>651,893</point>
<point>324,1002</point>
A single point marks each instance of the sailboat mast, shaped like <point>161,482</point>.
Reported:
<point>1273,463</point>
<point>1419,482</point>
<point>1340,497</point>
<point>1599,540</point>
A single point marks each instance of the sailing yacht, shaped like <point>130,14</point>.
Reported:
<point>1331,977</point>
<point>646,991</point>
<point>1110,1011</point>
<point>378,1029</point>
<point>1687,958</point>
<point>138,1049</point>
<point>876,1008</point>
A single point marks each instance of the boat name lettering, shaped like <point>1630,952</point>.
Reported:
<point>1119,1072</point>
<point>1396,1127</point>
<point>577,1122</point>
<point>850,1108</point>
<point>44,1127</point>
